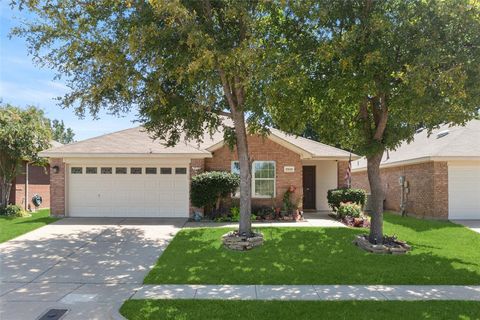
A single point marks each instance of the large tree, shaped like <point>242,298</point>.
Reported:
<point>373,70</point>
<point>184,64</point>
<point>23,134</point>
<point>60,133</point>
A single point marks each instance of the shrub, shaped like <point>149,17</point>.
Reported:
<point>337,196</point>
<point>208,188</point>
<point>349,209</point>
<point>235,213</point>
<point>14,210</point>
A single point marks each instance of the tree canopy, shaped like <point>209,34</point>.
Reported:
<point>60,133</point>
<point>375,70</point>
<point>23,134</point>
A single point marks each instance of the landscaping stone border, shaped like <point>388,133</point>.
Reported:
<point>232,240</point>
<point>399,247</point>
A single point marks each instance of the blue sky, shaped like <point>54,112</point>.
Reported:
<point>23,83</point>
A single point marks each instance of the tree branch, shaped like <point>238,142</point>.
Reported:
<point>227,90</point>
<point>382,121</point>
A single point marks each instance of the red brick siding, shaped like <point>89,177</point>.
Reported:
<point>342,171</point>
<point>57,188</point>
<point>38,183</point>
<point>261,148</point>
<point>428,184</point>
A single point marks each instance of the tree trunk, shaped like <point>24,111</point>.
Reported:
<point>376,198</point>
<point>5,194</point>
<point>245,227</point>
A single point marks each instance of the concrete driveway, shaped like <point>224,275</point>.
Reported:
<point>472,224</point>
<point>86,265</point>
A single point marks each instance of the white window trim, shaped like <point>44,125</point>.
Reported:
<point>237,195</point>
<point>274,180</point>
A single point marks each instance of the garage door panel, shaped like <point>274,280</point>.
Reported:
<point>128,195</point>
<point>464,192</point>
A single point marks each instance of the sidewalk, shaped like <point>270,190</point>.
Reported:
<point>312,219</point>
<point>309,292</point>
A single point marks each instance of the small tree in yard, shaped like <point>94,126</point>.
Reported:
<point>184,64</point>
<point>23,134</point>
<point>60,133</point>
<point>373,70</point>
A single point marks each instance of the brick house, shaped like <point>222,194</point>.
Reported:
<point>437,174</point>
<point>127,174</point>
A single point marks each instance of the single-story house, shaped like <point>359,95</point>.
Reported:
<point>127,174</point>
<point>437,175</point>
<point>34,180</point>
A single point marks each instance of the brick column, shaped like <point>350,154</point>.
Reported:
<point>440,190</point>
<point>342,167</point>
<point>57,187</point>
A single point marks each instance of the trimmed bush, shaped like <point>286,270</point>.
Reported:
<point>337,196</point>
<point>349,209</point>
<point>14,210</point>
<point>208,188</point>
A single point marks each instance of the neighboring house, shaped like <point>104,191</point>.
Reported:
<point>37,181</point>
<point>127,174</point>
<point>442,174</point>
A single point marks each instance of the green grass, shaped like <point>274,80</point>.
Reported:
<point>278,310</point>
<point>443,253</point>
<point>13,227</point>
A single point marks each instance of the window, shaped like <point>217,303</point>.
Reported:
<point>180,170</point>
<point>76,170</point>
<point>121,170</point>
<point>135,170</point>
<point>235,168</point>
<point>106,170</point>
<point>165,170</point>
<point>150,170</point>
<point>263,173</point>
<point>91,170</point>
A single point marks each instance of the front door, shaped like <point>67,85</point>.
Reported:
<point>309,187</point>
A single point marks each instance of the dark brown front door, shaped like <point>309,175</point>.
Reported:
<point>309,187</point>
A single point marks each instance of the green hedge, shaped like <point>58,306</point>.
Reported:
<point>208,187</point>
<point>336,196</point>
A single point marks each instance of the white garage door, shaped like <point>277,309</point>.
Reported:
<point>464,192</point>
<point>128,191</point>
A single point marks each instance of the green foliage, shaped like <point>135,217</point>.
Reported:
<point>288,204</point>
<point>235,213</point>
<point>349,209</point>
<point>164,57</point>
<point>336,196</point>
<point>14,210</point>
<point>60,133</point>
<point>23,134</point>
<point>405,62</point>
<point>208,187</point>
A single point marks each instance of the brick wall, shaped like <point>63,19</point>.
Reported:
<point>38,183</point>
<point>57,187</point>
<point>261,148</point>
<point>428,184</point>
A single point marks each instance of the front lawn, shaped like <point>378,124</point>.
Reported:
<point>443,253</point>
<point>266,310</point>
<point>13,227</point>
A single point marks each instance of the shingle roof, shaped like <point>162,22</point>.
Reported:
<point>458,142</point>
<point>136,142</point>
<point>316,149</point>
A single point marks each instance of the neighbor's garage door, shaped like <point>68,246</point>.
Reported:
<point>464,191</point>
<point>128,191</point>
